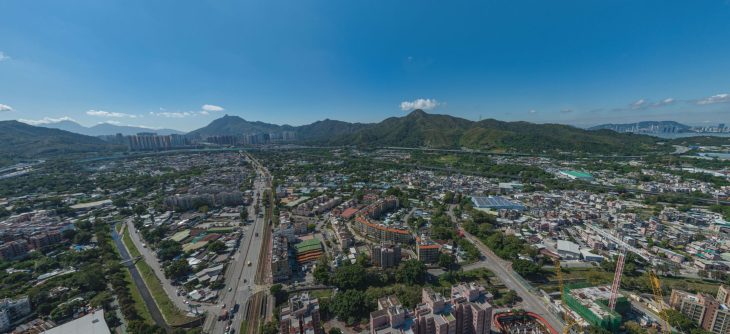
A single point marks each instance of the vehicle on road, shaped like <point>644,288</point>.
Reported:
<point>229,289</point>
<point>257,234</point>
<point>249,263</point>
<point>245,280</point>
<point>235,308</point>
<point>223,316</point>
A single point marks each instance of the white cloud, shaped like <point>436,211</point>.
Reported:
<point>664,102</point>
<point>5,107</point>
<point>718,98</point>
<point>532,111</point>
<point>638,104</point>
<point>3,56</point>
<point>566,111</point>
<point>212,107</point>
<point>176,114</point>
<point>102,113</point>
<point>111,122</point>
<point>46,120</point>
<point>423,104</point>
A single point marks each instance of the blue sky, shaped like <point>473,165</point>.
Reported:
<point>181,64</point>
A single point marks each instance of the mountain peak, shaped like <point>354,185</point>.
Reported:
<point>417,113</point>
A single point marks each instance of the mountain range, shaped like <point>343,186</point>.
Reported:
<point>417,129</point>
<point>105,129</point>
<point>421,129</point>
<point>20,141</point>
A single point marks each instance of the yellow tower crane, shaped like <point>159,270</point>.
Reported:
<point>659,298</point>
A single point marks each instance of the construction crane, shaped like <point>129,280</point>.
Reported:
<point>659,298</point>
<point>568,322</point>
<point>617,279</point>
<point>655,286</point>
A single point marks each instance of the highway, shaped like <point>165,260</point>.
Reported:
<point>503,270</point>
<point>240,277</point>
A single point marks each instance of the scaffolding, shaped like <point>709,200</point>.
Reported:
<point>594,307</point>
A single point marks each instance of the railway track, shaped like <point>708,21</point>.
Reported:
<point>255,313</point>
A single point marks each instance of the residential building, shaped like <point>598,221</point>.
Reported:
<point>13,250</point>
<point>40,241</point>
<point>300,316</point>
<point>12,310</point>
<point>712,314</point>
<point>427,250</point>
<point>390,318</point>
<point>386,255</point>
<point>467,312</point>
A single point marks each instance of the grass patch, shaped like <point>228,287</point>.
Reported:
<point>244,327</point>
<point>321,293</point>
<point>139,304</point>
<point>173,315</point>
<point>596,276</point>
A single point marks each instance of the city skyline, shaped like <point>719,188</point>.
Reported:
<point>163,66</point>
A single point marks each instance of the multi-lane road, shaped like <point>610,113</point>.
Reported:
<point>240,284</point>
<point>240,275</point>
<point>503,270</point>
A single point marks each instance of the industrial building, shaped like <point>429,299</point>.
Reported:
<point>576,175</point>
<point>496,203</point>
<point>591,303</point>
<point>90,323</point>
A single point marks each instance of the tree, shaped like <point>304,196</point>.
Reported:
<point>633,327</point>
<point>335,331</point>
<point>168,250</point>
<point>352,276</point>
<point>350,306</point>
<point>321,272</point>
<point>140,209</point>
<point>679,320</point>
<point>597,330</point>
<point>446,260</point>
<point>178,269</point>
<point>525,268</point>
<point>411,272</point>
<point>82,237</point>
<point>217,246</point>
<point>280,295</point>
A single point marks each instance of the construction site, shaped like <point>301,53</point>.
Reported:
<point>520,322</point>
<point>602,306</point>
<point>591,304</point>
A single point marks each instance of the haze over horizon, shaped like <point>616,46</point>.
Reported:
<point>166,65</point>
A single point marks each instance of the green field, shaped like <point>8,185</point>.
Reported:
<point>596,276</point>
<point>173,316</point>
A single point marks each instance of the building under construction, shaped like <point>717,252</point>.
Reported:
<point>591,303</point>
